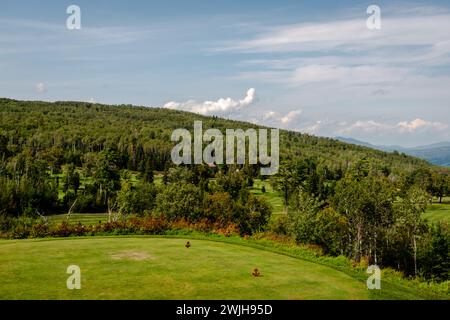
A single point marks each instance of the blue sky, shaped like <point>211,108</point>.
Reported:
<point>301,65</point>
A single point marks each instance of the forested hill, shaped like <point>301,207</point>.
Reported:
<point>82,157</point>
<point>64,132</point>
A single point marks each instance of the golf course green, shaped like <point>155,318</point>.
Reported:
<point>163,268</point>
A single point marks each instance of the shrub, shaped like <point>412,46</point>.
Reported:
<point>280,225</point>
<point>39,230</point>
<point>153,225</point>
<point>62,230</point>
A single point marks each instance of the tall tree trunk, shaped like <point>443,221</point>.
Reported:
<point>415,255</point>
<point>358,243</point>
<point>286,200</point>
<point>375,249</point>
<point>70,209</point>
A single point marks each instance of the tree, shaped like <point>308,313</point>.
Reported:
<point>252,214</point>
<point>233,182</point>
<point>148,173</point>
<point>179,200</point>
<point>220,207</point>
<point>439,185</point>
<point>72,178</point>
<point>367,206</point>
<point>409,224</point>
<point>284,183</point>
<point>136,200</point>
<point>302,216</point>
<point>436,264</point>
<point>106,175</point>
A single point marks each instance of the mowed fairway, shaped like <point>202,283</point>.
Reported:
<point>438,213</point>
<point>272,196</point>
<point>83,218</point>
<point>162,268</point>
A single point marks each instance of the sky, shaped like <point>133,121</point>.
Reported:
<point>308,66</point>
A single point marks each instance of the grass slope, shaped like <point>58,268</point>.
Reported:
<point>272,196</point>
<point>438,212</point>
<point>83,218</point>
<point>160,268</point>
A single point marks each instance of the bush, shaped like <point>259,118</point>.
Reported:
<point>62,230</point>
<point>16,228</point>
<point>40,230</point>
<point>280,225</point>
<point>152,225</point>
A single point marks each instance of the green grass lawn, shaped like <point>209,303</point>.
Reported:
<point>444,200</point>
<point>271,195</point>
<point>140,267</point>
<point>160,268</point>
<point>84,218</point>
<point>438,212</point>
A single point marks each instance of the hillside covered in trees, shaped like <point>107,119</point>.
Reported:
<point>64,132</point>
<point>348,200</point>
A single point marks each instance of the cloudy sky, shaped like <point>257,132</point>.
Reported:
<point>311,66</point>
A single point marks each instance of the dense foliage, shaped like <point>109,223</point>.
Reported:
<point>366,214</point>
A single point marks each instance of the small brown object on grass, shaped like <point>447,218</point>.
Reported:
<point>187,245</point>
<point>256,273</point>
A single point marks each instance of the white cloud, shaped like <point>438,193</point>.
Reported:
<point>418,28</point>
<point>40,88</point>
<point>389,84</point>
<point>312,128</point>
<point>211,107</point>
<point>350,75</point>
<point>366,126</point>
<point>404,63</point>
<point>371,126</point>
<point>270,115</point>
<point>287,120</point>
<point>19,36</point>
<point>418,124</point>
<point>291,117</point>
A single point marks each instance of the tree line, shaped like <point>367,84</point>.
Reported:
<point>367,214</point>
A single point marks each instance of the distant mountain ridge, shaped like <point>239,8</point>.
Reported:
<point>436,153</point>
